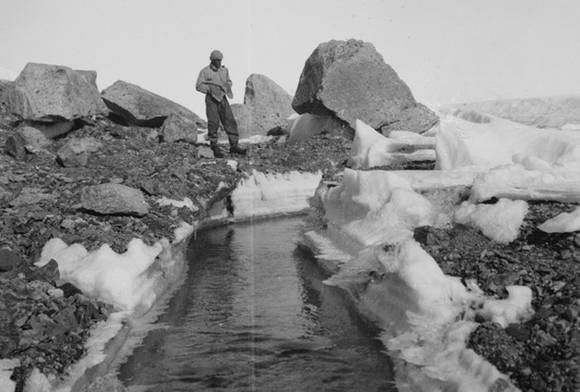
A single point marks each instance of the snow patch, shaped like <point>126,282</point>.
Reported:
<point>186,202</point>
<point>515,308</point>
<point>565,222</point>
<point>500,222</point>
<point>118,279</point>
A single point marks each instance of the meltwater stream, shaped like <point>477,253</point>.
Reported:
<point>253,315</point>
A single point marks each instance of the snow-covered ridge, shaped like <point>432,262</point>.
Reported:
<point>546,112</point>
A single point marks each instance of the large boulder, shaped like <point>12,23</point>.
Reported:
<point>267,106</point>
<point>349,79</point>
<point>45,92</point>
<point>141,107</point>
<point>114,199</point>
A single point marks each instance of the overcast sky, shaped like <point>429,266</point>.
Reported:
<point>445,50</point>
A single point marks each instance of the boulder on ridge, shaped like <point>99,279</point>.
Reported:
<point>269,105</point>
<point>350,79</point>
<point>138,106</point>
<point>44,92</point>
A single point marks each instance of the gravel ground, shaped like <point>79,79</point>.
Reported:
<point>542,354</point>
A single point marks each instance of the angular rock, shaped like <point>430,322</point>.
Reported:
<point>5,195</point>
<point>32,195</point>
<point>75,153</point>
<point>15,146</point>
<point>138,106</point>
<point>34,139</point>
<point>350,79</point>
<point>266,106</point>
<point>114,199</point>
<point>9,260</point>
<point>175,129</point>
<point>52,129</point>
<point>47,273</point>
<point>44,92</point>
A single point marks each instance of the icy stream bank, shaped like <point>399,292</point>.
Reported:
<point>364,234</point>
<point>139,279</point>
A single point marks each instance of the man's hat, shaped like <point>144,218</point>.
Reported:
<point>216,55</point>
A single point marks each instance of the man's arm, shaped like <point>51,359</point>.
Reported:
<point>200,85</point>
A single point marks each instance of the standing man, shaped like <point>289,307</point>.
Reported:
<point>214,81</point>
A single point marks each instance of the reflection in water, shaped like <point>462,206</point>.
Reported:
<point>253,315</point>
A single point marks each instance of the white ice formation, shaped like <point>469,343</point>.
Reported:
<point>371,149</point>
<point>426,315</point>
<point>500,221</point>
<point>368,220</point>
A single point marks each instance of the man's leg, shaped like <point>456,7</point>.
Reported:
<point>213,123</point>
<point>230,126</point>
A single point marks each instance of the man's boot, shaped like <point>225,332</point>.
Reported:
<point>236,149</point>
<point>217,152</point>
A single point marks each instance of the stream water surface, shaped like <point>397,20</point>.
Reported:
<point>254,315</point>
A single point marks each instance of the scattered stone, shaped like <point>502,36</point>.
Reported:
<point>31,195</point>
<point>68,224</point>
<point>175,129</point>
<point>75,153</point>
<point>45,92</point>
<point>15,147</point>
<point>5,195</point>
<point>9,260</point>
<point>204,152</point>
<point>350,79</point>
<point>137,106</point>
<point>114,199</point>
<point>47,273</point>
<point>69,289</point>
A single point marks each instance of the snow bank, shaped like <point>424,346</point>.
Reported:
<point>371,149</point>
<point>463,143</point>
<point>563,223</point>
<point>264,194</point>
<point>501,221</point>
<point>131,281</point>
<point>426,315</point>
<point>118,279</point>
